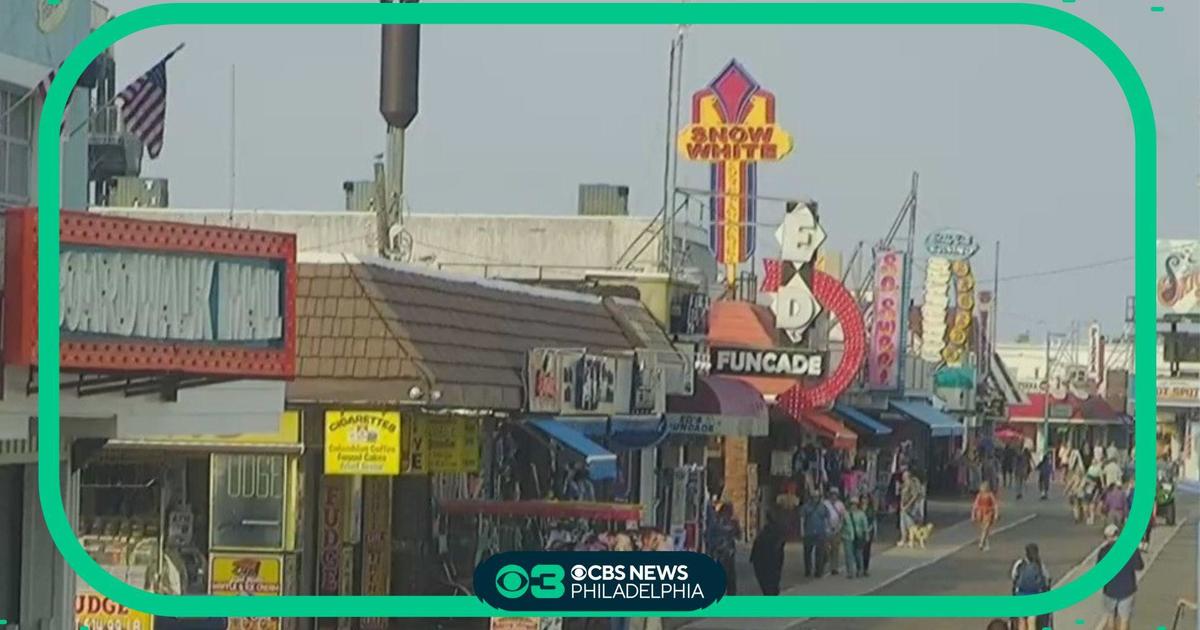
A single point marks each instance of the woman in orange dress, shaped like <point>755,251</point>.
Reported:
<point>984,512</point>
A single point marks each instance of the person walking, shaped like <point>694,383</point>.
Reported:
<point>909,498</point>
<point>1118,594</point>
<point>1094,488</point>
<point>984,512</point>
<point>1045,474</point>
<point>1022,467</point>
<point>1030,577</point>
<point>766,555</point>
<point>816,528</point>
<point>726,531</point>
<point>837,517</point>
<point>1007,460</point>
<point>871,511</point>
<point>854,535</point>
<point>1114,505</point>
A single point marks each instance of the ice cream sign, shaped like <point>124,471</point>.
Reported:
<point>733,129</point>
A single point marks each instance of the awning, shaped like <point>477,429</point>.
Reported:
<point>543,509</point>
<point>601,463</point>
<point>829,427</point>
<point>200,446</point>
<point>940,424</point>
<point>719,406</point>
<point>860,420</point>
<point>620,432</point>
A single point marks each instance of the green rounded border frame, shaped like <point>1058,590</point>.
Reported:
<point>1017,14</point>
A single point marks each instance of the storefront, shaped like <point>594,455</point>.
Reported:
<point>926,441</point>
<point>206,355</point>
<point>1081,423</point>
<point>193,515</point>
<point>431,369</point>
<point>722,408</point>
<point>1178,422</point>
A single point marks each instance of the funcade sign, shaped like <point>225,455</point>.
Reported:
<point>168,297</point>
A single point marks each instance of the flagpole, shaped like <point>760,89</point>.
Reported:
<point>110,101</point>
<point>232,140</point>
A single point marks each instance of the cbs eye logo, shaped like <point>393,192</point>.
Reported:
<point>544,581</point>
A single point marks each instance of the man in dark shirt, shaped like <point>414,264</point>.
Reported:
<point>1118,593</point>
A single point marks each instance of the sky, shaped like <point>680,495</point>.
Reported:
<point>1020,135</point>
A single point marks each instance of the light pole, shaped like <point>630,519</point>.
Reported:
<point>1044,440</point>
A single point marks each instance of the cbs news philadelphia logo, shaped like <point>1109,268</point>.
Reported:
<point>600,580</point>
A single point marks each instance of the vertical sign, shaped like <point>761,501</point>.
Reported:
<point>377,539</point>
<point>733,128</point>
<point>335,505</point>
<point>1095,354</point>
<point>884,360</point>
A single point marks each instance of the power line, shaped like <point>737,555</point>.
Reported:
<point>1061,270</point>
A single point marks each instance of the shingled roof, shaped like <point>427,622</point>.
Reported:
<point>370,330</point>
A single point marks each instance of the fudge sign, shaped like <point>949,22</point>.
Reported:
<point>114,293</point>
<point>742,362</point>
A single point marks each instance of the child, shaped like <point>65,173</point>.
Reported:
<point>984,512</point>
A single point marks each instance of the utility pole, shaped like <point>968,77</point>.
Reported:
<point>906,283</point>
<point>1045,433</point>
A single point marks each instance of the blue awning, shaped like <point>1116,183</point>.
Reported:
<point>601,463</point>
<point>861,420</point>
<point>940,424</point>
<point>636,432</point>
<point>620,432</point>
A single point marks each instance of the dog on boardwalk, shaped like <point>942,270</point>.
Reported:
<point>918,535</point>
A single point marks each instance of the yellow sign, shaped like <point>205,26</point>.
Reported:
<point>289,433</point>
<point>93,610</point>
<point>247,574</point>
<point>442,445</point>
<point>362,443</point>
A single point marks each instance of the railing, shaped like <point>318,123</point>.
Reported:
<point>1179,608</point>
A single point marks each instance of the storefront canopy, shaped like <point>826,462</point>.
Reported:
<point>1070,409</point>
<point>829,427</point>
<point>621,432</point>
<point>719,406</point>
<point>940,424</point>
<point>860,420</point>
<point>601,463</point>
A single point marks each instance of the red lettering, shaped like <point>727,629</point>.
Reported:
<point>699,134</point>
<point>770,152</point>
<point>761,135</point>
<point>738,135</point>
<point>700,151</point>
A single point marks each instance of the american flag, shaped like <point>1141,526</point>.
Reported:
<point>144,106</point>
<point>43,88</point>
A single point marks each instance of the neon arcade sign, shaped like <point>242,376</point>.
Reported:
<point>744,362</point>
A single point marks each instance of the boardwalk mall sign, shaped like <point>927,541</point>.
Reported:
<point>733,129</point>
<point>148,296</point>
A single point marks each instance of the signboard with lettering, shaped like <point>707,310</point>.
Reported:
<point>1178,392</point>
<point>332,533</point>
<point>732,129</point>
<point>704,424</point>
<point>362,443</point>
<point>441,445</point>
<point>93,610</point>
<point>544,381</point>
<point>377,555</point>
<point>146,296</point>
<point>247,574</point>
<point>689,314</point>
<point>748,362</point>
<point>951,244</point>
<point>883,358</point>
<point>1178,288</point>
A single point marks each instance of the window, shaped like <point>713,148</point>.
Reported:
<point>248,501</point>
<point>16,154</point>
